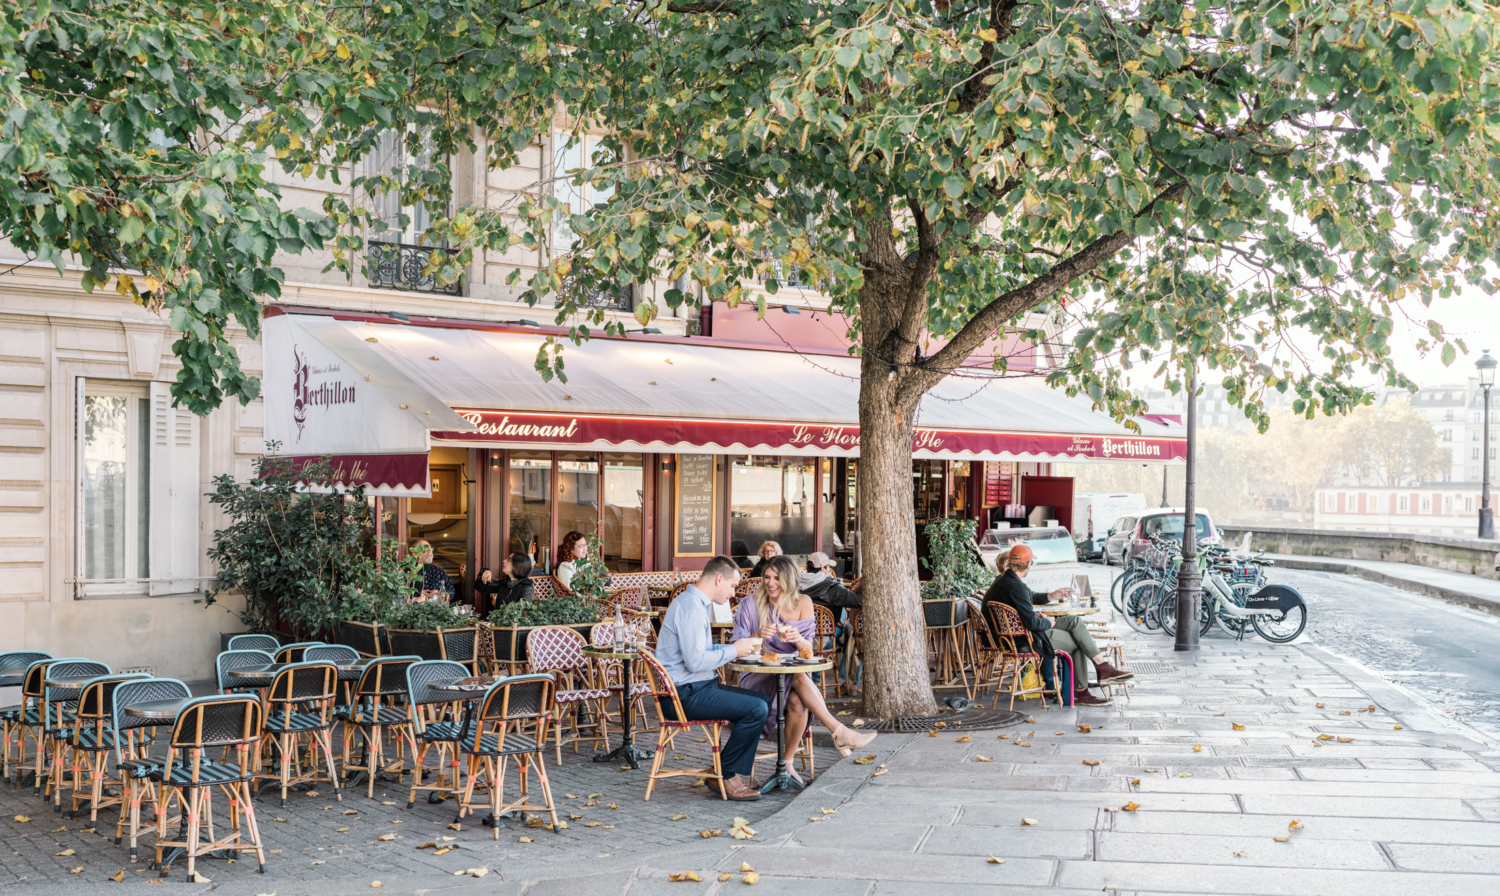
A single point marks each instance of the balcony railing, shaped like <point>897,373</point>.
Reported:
<point>610,296</point>
<point>400,266</point>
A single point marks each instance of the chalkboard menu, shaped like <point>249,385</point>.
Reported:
<point>697,486</point>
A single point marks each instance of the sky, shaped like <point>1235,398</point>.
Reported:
<point>1474,317</point>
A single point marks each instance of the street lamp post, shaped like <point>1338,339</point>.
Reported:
<point>1188,580</point>
<point>1486,367</point>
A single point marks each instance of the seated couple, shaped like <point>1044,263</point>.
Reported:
<point>781,615</point>
<point>1066,634</point>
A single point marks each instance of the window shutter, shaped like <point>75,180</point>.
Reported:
<point>175,495</point>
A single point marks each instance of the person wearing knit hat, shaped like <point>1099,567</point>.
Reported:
<point>1068,634</point>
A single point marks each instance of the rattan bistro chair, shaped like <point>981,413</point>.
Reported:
<point>673,721</point>
<point>300,715</point>
<point>59,707</point>
<point>1018,655</point>
<point>241,659</point>
<point>91,742</point>
<point>558,651</point>
<point>292,653</point>
<point>16,662</point>
<point>268,643</point>
<point>511,725</point>
<point>133,761</point>
<point>372,716</point>
<point>188,777</point>
<point>434,718</point>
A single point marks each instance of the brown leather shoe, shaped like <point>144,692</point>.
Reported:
<point>1106,672</point>
<point>1085,698</point>
<point>736,789</point>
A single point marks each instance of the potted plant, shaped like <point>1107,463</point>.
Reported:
<point>296,547</point>
<point>375,590</point>
<point>430,630</point>
<point>957,572</point>
<point>591,581</point>
<point>513,622</point>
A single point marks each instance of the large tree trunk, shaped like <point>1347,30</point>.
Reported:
<point>896,683</point>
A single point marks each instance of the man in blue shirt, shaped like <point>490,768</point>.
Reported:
<point>687,652</point>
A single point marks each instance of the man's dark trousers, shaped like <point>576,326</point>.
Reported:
<point>745,709</point>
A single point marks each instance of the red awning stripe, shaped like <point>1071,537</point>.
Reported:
<point>501,427</point>
<point>371,470</point>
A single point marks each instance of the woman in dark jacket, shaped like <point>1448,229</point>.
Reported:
<point>516,586</point>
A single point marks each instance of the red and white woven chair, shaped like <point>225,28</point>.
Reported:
<point>558,652</point>
<point>672,721</point>
<point>609,672</point>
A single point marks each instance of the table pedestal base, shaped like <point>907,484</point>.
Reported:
<point>626,752</point>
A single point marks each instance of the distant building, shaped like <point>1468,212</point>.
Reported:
<point>1214,408</point>
<point>1456,413</point>
<point>1432,508</point>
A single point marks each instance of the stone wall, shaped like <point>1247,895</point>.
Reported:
<point>1465,555</point>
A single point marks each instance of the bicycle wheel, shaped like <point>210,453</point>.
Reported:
<point>1137,608</point>
<point>1166,610</point>
<point>1280,630</point>
<point>1121,584</point>
<point>1233,626</point>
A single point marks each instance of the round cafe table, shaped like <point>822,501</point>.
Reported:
<point>627,750</point>
<point>158,710</point>
<point>350,671</point>
<point>781,780</point>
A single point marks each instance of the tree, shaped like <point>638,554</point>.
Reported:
<point>1395,445</point>
<point>1299,453</point>
<point>1194,179</point>
<point>128,147</point>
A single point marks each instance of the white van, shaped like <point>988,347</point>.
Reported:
<point>1095,512</point>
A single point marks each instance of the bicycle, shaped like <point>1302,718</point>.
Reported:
<point>1276,612</point>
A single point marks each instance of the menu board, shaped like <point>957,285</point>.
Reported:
<point>697,487</point>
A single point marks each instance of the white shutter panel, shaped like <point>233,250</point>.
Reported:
<point>174,533</point>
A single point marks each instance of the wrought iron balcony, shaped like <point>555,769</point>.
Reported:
<point>400,266</point>
<point>612,296</point>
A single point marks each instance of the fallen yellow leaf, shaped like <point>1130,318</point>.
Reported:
<point>865,760</point>
<point>376,884</point>
<point>978,758</point>
<point>1295,825</point>
<point>1242,853</point>
<point>1321,705</point>
<point>1028,821</point>
<point>118,876</point>
<point>725,876</point>
<point>1131,806</point>
<point>745,868</point>
<point>1398,727</point>
<point>1237,726</point>
<point>1085,728</point>
<point>595,796</point>
<point>706,834</point>
<point>1325,737</point>
<point>750,879</point>
<point>591,824</point>
<point>1345,712</point>
<point>828,811</point>
<point>526,839</point>
<point>386,837</point>
<point>22,819</point>
<point>1282,838</point>
<point>79,870</point>
<point>1224,713</point>
<point>994,861</point>
<point>1197,748</point>
<point>66,852</point>
<point>685,876</point>
<point>878,772</point>
<point>1058,733</point>
<point>341,831</point>
<point>1346,740</point>
<point>962,740</point>
<point>932,734</point>
<point>678,817</point>
<point>1091,762</point>
<point>1135,782</point>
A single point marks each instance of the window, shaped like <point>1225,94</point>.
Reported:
<point>1403,504</point>
<point>623,502</point>
<point>1474,454</point>
<point>391,157</point>
<point>1372,504</point>
<point>571,153</point>
<point>1447,505</point>
<point>1426,504</point>
<point>115,482</point>
<point>530,503</point>
<point>771,499</point>
<point>1469,504</point>
<point>138,491</point>
<point>1448,416</point>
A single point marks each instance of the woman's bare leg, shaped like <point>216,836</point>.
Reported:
<point>809,695</point>
<point>796,722</point>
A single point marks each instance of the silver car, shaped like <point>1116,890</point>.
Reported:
<point>1129,536</point>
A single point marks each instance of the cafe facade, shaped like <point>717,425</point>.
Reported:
<point>669,449</point>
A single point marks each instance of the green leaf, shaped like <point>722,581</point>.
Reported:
<point>954,186</point>
<point>848,57</point>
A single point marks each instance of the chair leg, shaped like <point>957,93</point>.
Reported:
<point>663,740</point>
<point>541,776</point>
<point>715,735</point>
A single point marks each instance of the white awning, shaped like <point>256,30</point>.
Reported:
<point>633,394</point>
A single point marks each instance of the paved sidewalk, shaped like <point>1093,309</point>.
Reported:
<point>1454,587</point>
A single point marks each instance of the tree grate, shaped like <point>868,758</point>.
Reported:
<point>975,718</point>
<point>1151,667</point>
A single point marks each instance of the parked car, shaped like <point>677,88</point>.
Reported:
<point>1094,511</point>
<point>1130,536</point>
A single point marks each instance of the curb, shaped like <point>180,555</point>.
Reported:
<point>1320,564</point>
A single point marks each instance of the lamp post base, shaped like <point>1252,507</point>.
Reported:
<point>1487,523</point>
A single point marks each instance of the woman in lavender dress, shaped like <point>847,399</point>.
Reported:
<point>784,617</point>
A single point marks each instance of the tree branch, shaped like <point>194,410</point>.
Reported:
<point>1009,304</point>
<point>1001,12</point>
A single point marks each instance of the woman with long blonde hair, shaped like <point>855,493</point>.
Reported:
<point>784,617</point>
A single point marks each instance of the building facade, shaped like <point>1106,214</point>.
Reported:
<point>1431,508</point>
